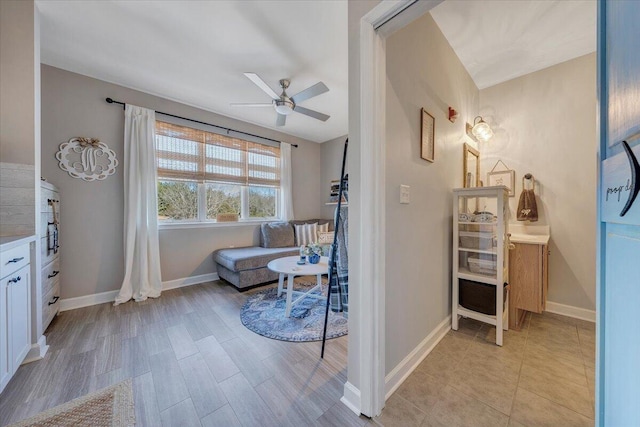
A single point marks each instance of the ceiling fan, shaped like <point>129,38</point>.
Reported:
<point>285,104</point>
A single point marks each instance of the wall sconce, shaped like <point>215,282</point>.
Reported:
<point>453,115</point>
<point>480,131</point>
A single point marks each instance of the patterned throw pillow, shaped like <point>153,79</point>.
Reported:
<point>306,234</point>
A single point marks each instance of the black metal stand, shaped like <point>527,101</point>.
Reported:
<point>334,250</point>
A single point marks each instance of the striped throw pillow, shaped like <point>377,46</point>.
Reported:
<point>323,228</point>
<point>306,234</point>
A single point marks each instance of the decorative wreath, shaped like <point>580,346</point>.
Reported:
<point>87,158</point>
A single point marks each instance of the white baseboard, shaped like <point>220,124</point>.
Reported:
<point>37,350</point>
<point>110,296</point>
<point>571,311</point>
<point>188,281</point>
<point>396,377</point>
<point>351,397</point>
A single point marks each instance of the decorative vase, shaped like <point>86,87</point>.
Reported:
<point>314,258</point>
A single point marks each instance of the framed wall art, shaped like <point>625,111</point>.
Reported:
<point>427,136</point>
<point>507,178</point>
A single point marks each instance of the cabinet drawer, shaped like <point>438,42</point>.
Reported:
<point>50,305</point>
<point>50,275</point>
<point>47,255</point>
<point>13,260</point>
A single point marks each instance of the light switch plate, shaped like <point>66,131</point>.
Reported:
<point>404,194</point>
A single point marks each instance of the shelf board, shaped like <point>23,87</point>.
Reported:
<point>494,223</point>
<point>486,318</point>
<point>464,273</point>
<point>479,251</point>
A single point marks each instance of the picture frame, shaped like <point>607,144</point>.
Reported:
<point>427,136</point>
<point>470,167</point>
<point>503,177</point>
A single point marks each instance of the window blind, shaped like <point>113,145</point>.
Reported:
<point>185,153</point>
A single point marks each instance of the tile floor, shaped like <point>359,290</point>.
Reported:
<point>192,363</point>
<point>542,376</point>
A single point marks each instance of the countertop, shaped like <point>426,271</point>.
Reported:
<point>11,242</point>
<point>532,234</point>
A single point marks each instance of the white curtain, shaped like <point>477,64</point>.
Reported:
<point>141,252</point>
<point>286,190</point>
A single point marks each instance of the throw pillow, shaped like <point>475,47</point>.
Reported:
<point>325,237</point>
<point>276,235</point>
<point>323,228</point>
<point>306,234</point>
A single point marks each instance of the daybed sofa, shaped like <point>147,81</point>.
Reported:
<point>246,267</point>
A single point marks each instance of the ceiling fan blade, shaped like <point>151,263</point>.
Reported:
<point>315,90</point>
<point>311,113</point>
<point>262,85</point>
<point>235,104</point>
<point>281,120</point>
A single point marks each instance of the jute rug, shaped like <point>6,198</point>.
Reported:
<point>109,407</point>
<point>263,313</point>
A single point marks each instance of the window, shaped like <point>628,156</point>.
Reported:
<point>203,174</point>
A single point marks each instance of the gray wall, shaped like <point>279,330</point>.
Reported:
<point>92,212</point>
<point>331,152</point>
<point>422,71</point>
<point>545,124</point>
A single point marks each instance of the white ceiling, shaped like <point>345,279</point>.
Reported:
<point>195,52</point>
<point>498,40</point>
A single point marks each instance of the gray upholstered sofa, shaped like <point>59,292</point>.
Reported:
<point>246,267</point>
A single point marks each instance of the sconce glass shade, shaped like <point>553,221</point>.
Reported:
<point>481,130</point>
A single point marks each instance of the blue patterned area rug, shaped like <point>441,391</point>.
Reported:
<point>263,313</point>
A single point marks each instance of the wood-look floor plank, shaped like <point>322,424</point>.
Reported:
<point>195,326</point>
<point>79,374</point>
<point>167,379</point>
<point>205,392</point>
<point>180,414</point>
<point>288,412</point>
<point>218,327</point>
<point>246,403</point>
<point>247,360</point>
<point>135,358</point>
<point>145,403</point>
<point>219,362</point>
<point>108,353</point>
<point>181,341</point>
<point>222,417</point>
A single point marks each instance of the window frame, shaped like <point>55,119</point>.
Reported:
<point>201,192</point>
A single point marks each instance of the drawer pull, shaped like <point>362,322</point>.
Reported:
<point>55,300</point>
<point>54,274</point>
<point>15,260</point>
<point>15,279</point>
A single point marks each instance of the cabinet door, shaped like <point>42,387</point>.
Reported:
<point>19,320</point>
<point>525,277</point>
<point>5,358</point>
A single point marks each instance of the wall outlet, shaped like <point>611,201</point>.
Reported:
<point>404,194</point>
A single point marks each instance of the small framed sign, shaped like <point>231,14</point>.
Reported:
<point>506,177</point>
<point>427,137</point>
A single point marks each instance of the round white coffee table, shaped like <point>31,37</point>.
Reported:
<point>288,265</point>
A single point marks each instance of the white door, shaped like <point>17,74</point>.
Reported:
<point>618,358</point>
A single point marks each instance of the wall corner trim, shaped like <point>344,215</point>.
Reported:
<point>110,296</point>
<point>571,311</point>
<point>37,350</point>
<point>396,377</point>
<point>351,397</point>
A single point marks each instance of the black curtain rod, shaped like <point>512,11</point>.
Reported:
<point>111,101</point>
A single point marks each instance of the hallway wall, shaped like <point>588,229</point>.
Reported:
<point>422,71</point>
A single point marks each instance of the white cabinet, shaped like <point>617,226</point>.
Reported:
<point>481,257</point>
<point>15,310</point>
<point>50,247</point>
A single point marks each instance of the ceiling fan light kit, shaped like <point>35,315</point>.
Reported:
<point>285,105</point>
